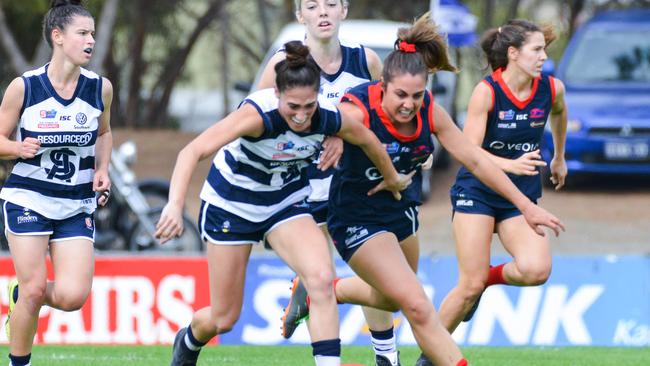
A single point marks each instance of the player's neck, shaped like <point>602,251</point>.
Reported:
<point>518,82</point>
<point>326,53</point>
<point>62,72</point>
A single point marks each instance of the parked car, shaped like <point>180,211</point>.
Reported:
<point>606,71</point>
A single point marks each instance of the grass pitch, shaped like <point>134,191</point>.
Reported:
<point>357,355</point>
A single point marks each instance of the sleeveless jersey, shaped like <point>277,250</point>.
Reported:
<point>514,127</point>
<point>57,182</point>
<point>256,177</point>
<point>353,71</point>
<point>357,174</point>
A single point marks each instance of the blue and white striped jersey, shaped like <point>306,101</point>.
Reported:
<point>256,177</point>
<point>353,71</point>
<point>57,182</point>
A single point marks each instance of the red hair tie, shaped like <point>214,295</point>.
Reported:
<point>406,47</point>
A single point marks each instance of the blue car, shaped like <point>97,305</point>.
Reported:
<point>606,71</point>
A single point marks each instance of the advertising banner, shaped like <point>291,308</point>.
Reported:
<point>588,301</point>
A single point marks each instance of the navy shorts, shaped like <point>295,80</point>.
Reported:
<point>472,205</point>
<point>23,221</point>
<point>219,226</point>
<point>319,211</point>
<point>349,237</point>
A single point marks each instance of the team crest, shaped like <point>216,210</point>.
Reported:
<point>225,227</point>
<point>89,223</point>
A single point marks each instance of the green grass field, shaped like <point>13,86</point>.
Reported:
<point>295,355</point>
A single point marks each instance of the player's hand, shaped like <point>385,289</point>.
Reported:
<point>394,186</point>
<point>28,148</point>
<point>102,184</point>
<point>558,172</point>
<point>537,217</point>
<point>332,151</point>
<point>526,164</point>
<point>170,224</point>
<point>428,163</point>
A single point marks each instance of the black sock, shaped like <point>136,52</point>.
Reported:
<point>329,347</point>
<point>20,360</point>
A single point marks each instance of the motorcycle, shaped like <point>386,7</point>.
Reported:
<point>128,220</point>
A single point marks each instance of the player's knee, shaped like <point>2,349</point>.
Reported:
<point>318,283</point>
<point>417,309</point>
<point>534,274</point>
<point>32,295</point>
<point>472,288</point>
<point>224,323</point>
<point>71,301</point>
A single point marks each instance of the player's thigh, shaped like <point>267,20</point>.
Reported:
<point>523,243</point>
<point>227,270</point>
<point>411,249</point>
<point>29,254</point>
<point>473,235</point>
<point>302,245</point>
<point>73,262</point>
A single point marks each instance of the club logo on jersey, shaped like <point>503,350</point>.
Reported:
<point>48,114</point>
<point>26,218</point>
<point>63,168</point>
<point>392,148</point>
<point>537,113</point>
<point>282,146</point>
<point>536,124</point>
<point>89,223</point>
<point>509,125</point>
<point>507,115</point>
<point>225,227</point>
<point>81,118</point>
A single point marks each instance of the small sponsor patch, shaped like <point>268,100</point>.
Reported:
<point>26,218</point>
<point>89,223</point>
<point>509,125</point>
<point>508,115</point>
<point>48,114</point>
<point>81,118</point>
<point>465,203</point>
<point>536,124</point>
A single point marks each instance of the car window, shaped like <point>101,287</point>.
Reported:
<point>604,55</point>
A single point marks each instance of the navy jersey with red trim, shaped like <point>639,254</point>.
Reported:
<point>356,174</point>
<point>514,127</point>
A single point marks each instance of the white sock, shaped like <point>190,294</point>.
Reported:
<point>327,360</point>
<point>386,348</point>
<point>189,344</point>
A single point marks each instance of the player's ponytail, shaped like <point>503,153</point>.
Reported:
<point>60,15</point>
<point>419,49</point>
<point>496,41</point>
<point>297,69</point>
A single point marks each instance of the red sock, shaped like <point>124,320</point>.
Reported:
<point>462,362</point>
<point>495,276</point>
